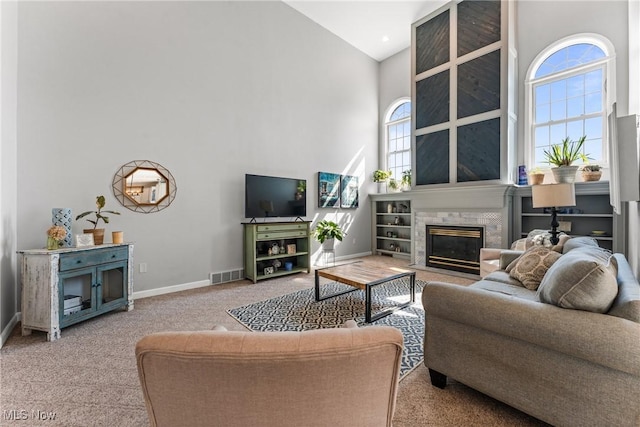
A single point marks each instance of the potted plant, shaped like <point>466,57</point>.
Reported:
<point>591,172</point>
<point>563,155</point>
<point>393,185</point>
<point>536,176</point>
<point>406,180</point>
<point>98,233</point>
<point>327,232</point>
<point>300,189</point>
<point>381,177</point>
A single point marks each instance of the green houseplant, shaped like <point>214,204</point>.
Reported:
<point>326,232</point>
<point>563,155</point>
<point>591,172</point>
<point>98,233</point>
<point>381,177</point>
<point>406,179</point>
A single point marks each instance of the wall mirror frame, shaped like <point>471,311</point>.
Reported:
<point>144,186</point>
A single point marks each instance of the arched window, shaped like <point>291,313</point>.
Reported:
<point>398,131</point>
<point>569,90</point>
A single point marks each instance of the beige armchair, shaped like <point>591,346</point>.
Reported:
<point>326,377</point>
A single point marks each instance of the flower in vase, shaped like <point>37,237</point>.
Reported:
<point>55,234</point>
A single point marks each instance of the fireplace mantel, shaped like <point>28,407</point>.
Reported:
<point>468,197</point>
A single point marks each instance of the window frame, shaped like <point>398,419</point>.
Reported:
<point>607,64</point>
<point>386,126</point>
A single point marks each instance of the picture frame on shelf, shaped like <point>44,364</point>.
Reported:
<point>83,240</point>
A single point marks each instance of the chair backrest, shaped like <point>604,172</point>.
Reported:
<point>326,377</point>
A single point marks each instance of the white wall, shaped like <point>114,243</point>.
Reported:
<point>395,83</point>
<point>210,90</point>
<point>8,169</point>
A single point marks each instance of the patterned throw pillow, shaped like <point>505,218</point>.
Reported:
<point>532,265</point>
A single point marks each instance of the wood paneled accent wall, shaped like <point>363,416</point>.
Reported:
<point>462,62</point>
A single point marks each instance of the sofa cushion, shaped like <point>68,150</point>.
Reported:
<point>627,302</point>
<point>532,265</point>
<point>582,279</point>
<point>514,289</point>
<point>501,276</point>
<point>578,242</point>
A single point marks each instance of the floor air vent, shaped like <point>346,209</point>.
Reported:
<point>226,276</point>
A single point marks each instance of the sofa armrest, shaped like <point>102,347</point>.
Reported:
<point>507,256</point>
<point>599,338</point>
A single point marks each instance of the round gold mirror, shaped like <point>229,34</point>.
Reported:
<point>144,186</point>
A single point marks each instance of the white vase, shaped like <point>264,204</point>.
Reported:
<point>565,174</point>
<point>328,244</point>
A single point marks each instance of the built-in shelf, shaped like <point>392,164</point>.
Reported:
<point>594,213</point>
<point>392,227</point>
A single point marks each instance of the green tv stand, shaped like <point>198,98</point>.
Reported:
<point>274,249</point>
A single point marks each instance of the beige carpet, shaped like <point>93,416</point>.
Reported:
<point>89,377</point>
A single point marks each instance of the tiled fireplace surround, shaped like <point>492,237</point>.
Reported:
<point>488,206</point>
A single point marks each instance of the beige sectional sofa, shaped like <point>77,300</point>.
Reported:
<point>573,360</point>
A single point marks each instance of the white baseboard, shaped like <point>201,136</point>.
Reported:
<point>171,289</point>
<point>6,332</point>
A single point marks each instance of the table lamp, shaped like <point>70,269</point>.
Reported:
<point>552,196</point>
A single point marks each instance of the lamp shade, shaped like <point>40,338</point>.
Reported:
<point>553,195</point>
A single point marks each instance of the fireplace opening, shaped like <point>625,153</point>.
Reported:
<point>455,248</point>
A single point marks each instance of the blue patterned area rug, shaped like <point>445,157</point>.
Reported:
<point>299,311</point>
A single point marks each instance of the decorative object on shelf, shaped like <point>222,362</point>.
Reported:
<point>389,207</point>
<point>348,191</point>
<point>563,155</point>
<point>55,236</point>
<point>598,233</point>
<point>393,186</point>
<point>591,172</point>
<point>381,177</point>
<point>275,249</point>
<point>328,190</point>
<point>397,221</point>
<point>291,248</point>
<point>326,232</point>
<point>63,217</point>
<point>552,196</point>
<point>144,186</point>
<point>84,240</point>
<point>117,237</point>
<point>522,175</point>
<point>288,266</point>
<point>268,270</point>
<point>536,176</point>
<point>406,180</point>
<point>98,233</point>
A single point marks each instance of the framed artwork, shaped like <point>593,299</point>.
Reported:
<point>349,191</point>
<point>328,190</point>
<point>84,240</point>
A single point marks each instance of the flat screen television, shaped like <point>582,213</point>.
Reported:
<point>274,197</point>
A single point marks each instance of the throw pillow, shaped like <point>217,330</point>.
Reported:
<point>579,242</point>
<point>582,279</point>
<point>532,266</point>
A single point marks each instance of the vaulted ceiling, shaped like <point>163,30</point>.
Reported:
<point>378,28</point>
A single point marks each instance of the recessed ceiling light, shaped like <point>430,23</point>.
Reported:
<point>385,39</point>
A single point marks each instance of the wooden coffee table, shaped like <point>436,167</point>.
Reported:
<point>366,277</point>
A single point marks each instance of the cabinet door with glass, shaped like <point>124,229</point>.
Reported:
<point>87,292</point>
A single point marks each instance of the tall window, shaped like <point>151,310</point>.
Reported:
<point>568,98</point>
<point>398,127</point>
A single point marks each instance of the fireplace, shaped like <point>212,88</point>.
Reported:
<point>455,248</point>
